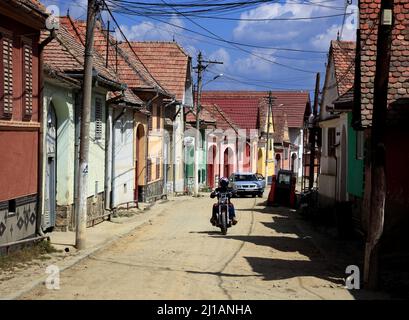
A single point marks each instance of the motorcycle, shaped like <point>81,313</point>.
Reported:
<point>223,220</point>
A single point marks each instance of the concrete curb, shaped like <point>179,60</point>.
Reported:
<point>88,252</point>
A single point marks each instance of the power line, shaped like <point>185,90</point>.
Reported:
<point>172,33</point>
<point>307,19</point>
<point>244,50</point>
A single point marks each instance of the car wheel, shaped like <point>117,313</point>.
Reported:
<point>253,195</point>
<point>260,195</point>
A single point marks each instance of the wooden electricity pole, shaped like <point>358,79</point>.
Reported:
<point>378,154</point>
<point>313,133</point>
<point>268,145</point>
<point>201,66</point>
<point>82,177</point>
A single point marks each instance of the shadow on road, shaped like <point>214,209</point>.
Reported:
<point>287,237</point>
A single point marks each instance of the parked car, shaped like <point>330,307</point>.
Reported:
<point>246,184</point>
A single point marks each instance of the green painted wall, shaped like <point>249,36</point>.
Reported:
<point>355,166</point>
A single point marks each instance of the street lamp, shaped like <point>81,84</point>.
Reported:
<point>214,78</point>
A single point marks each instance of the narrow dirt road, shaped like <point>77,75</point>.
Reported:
<point>181,256</point>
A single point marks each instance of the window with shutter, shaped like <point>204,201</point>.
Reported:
<point>6,74</point>
<point>28,79</point>
<point>98,119</point>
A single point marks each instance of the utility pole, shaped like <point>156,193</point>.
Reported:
<point>377,160</point>
<point>313,133</point>
<point>270,105</point>
<point>82,178</point>
<point>201,66</point>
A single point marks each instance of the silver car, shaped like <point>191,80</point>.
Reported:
<point>246,184</point>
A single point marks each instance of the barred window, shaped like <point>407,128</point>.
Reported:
<point>150,123</point>
<point>149,170</point>
<point>6,76</point>
<point>98,119</point>
<point>28,79</point>
<point>331,142</point>
<point>158,114</point>
<point>157,168</point>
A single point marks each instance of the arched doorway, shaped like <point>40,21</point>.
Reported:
<point>140,164</point>
<point>260,163</point>
<point>228,162</point>
<point>293,162</point>
<point>246,162</point>
<point>211,161</point>
<point>278,163</point>
<point>51,169</point>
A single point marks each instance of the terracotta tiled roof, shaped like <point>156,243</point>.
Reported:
<point>34,4</point>
<point>399,67</point>
<point>204,116</point>
<point>345,101</point>
<point>129,69</point>
<point>243,106</point>
<point>65,54</point>
<point>343,53</point>
<point>166,61</point>
<point>223,121</point>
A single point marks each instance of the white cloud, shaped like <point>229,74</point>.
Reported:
<point>223,56</point>
<point>147,30</point>
<point>77,8</point>
<point>322,41</point>
<point>252,64</point>
<point>262,31</point>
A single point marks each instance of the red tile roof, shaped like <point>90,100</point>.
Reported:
<point>130,69</point>
<point>399,67</point>
<point>343,54</point>
<point>65,54</point>
<point>243,107</point>
<point>34,4</point>
<point>166,61</point>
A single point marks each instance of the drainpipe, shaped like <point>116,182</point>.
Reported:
<point>41,139</point>
<point>113,156</point>
<point>108,159</point>
<point>174,151</point>
<point>77,115</point>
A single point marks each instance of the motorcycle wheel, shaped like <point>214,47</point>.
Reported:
<point>223,226</point>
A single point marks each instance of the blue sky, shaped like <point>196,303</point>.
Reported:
<point>248,70</point>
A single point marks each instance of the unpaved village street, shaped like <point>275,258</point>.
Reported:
<point>181,256</point>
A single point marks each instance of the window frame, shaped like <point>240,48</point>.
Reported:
<point>6,34</point>
<point>331,141</point>
<point>27,108</point>
<point>98,118</point>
